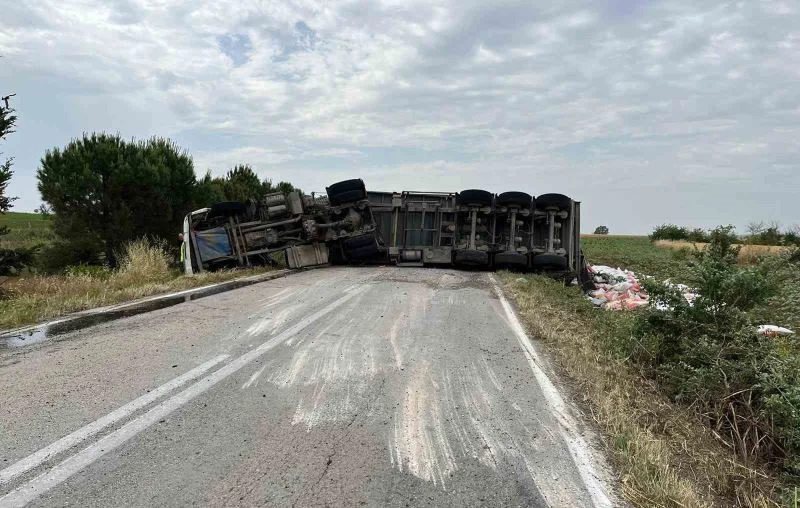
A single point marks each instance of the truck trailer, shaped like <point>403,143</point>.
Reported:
<point>470,229</point>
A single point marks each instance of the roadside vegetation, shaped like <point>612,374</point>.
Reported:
<point>145,269</point>
<point>107,230</point>
<point>696,407</point>
<point>758,233</point>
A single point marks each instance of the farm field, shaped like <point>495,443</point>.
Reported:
<point>748,253</point>
<point>25,230</point>
<point>635,253</point>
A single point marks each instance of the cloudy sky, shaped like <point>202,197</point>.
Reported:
<point>683,111</point>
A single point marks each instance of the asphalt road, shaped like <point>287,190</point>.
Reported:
<point>375,386</point>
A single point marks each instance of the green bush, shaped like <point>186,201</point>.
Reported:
<point>697,235</point>
<point>708,354</point>
<point>14,261</point>
<point>57,256</point>
<point>669,232</point>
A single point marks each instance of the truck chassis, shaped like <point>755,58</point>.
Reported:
<point>350,225</point>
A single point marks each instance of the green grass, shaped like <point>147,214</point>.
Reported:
<point>26,230</point>
<point>635,253</point>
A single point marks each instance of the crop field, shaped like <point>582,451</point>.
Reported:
<point>748,254</point>
<point>663,259</point>
<point>25,230</point>
<point>635,253</point>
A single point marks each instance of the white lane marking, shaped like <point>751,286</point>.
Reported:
<point>253,377</point>
<point>34,488</point>
<point>37,458</point>
<point>567,427</point>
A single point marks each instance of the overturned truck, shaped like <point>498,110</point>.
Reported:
<point>350,225</point>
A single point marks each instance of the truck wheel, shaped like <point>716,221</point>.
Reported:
<point>361,253</point>
<point>335,255</point>
<point>512,260</point>
<point>549,261</point>
<point>513,198</point>
<point>471,258</point>
<point>357,242</point>
<point>227,209</point>
<point>346,191</point>
<point>546,201</point>
<point>474,197</point>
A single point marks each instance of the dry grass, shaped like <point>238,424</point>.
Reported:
<point>748,253</point>
<point>664,455</point>
<point>145,270</point>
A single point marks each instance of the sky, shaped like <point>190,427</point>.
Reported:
<point>683,111</point>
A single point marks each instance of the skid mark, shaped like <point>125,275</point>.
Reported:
<point>335,368</point>
<point>421,446</point>
<point>271,321</point>
<point>254,378</point>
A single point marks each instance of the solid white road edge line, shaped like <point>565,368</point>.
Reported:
<point>37,458</point>
<point>34,488</point>
<point>575,443</point>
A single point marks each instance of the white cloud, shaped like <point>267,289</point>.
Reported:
<point>619,104</point>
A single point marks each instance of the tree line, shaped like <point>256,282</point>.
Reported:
<point>104,191</point>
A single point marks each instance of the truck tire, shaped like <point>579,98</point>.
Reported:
<point>471,258</point>
<point>512,260</point>
<point>361,253</point>
<point>474,197</point>
<point>346,191</point>
<point>357,242</point>
<point>227,209</point>
<point>549,261</point>
<point>546,201</point>
<point>514,198</point>
<point>335,255</point>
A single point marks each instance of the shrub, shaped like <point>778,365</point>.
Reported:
<point>697,235</point>
<point>601,230</point>
<point>707,353</point>
<point>57,256</point>
<point>14,261</point>
<point>141,261</point>
<point>669,232</point>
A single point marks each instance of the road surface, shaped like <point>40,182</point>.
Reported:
<point>376,386</point>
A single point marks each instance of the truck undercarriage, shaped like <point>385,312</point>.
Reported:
<point>350,225</point>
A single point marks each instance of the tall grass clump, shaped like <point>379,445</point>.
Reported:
<point>142,261</point>
<point>144,269</point>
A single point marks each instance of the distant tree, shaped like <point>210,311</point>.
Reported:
<point>242,183</point>
<point>44,210</point>
<point>285,187</point>
<point>209,190</point>
<point>669,232</point>
<point>105,191</point>
<point>792,236</point>
<point>12,261</point>
<point>761,233</point>
<point>601,230</point>
<point>698,235</point>
<point>7,121</point>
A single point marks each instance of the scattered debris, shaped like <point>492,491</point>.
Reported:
<point>774,330</point>
<point>619,289</point>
